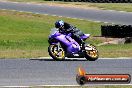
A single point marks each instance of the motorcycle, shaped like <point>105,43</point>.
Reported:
<point>61,46</point>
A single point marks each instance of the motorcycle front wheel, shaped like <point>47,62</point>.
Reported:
<point>91,53</point>
<point>57,53</point>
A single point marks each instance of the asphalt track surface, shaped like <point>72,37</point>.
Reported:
<point>37,72</point>
<point>87,14</point>
<point>32,72</point>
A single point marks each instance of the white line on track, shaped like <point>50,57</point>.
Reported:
<point>68,85</point>
<point>97,21</point>
<point>59,6</point>
<point>64,7</point>
<point>72,18</point>
<point>74,58</point>
<point>84,58</point>
<point>56,16</point>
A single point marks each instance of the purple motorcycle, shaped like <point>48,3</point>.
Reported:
<point>61,46</point>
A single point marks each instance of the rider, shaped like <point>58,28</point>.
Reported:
<point>67,28</point>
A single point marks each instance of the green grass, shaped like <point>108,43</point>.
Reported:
<point>116,50</point>
<point>25,35</point>
<point>107,6</point>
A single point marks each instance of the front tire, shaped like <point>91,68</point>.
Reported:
<point>91,53</point>
<point>56,54</point>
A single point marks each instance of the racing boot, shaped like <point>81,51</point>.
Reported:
<point>83,46</point>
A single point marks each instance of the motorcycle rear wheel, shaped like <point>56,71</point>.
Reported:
<point>92,53</point>
<point>56,54</point>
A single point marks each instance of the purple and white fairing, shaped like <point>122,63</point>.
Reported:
<point>71,44</point>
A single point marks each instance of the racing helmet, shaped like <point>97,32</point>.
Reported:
<point>59,24</point>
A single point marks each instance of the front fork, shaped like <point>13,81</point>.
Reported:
<point>58,47</point>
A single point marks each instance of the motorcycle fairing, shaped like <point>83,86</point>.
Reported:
<point>85,36</point>
<point>71,44</point>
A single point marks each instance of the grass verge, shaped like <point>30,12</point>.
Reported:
<point>105,6</point>
<point>25,35</point>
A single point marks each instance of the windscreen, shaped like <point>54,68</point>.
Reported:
<point>53,31</point>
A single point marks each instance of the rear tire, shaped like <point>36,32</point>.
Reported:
<point>91,55</point>
<point>54,53</point>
